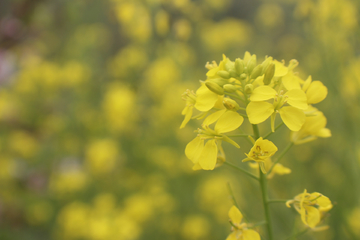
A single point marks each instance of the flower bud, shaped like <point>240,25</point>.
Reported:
<point>233,73</point>
<point>219,81</point>
<point>266,63</point>
<point>243,76</point>
<point>251,64</point>
<point>269,74</point>
<point>223,74</point>
<point>231,104</point>
<point>256,72</point>
<point>239,66</point>
<point>229,88</point>
<point>215,88</point>
<point>249,88</point>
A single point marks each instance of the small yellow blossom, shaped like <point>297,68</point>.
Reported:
<point>261,151</point>
<point>190,99</point>
<point>310,206</point>
<point>293,116</point>
<point>205,154</point>
<point>240,231</point>
<point>313,128</point>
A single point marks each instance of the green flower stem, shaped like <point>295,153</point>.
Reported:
<point>234,201</point>
<point>239,135</point>
<point>277,200</point>
<point>232,195</point>
<point>242,170</point>
<point>280,157</point>
<point>263,186</point>
<point>271,132</point>
<point>258,224</point>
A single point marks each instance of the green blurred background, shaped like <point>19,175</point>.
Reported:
<point>90,103</point>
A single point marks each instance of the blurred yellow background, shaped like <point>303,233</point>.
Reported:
<point>90,109</point>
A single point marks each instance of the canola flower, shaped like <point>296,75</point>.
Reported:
<point>245,90</point>
<point>310,206</point>
<point>240,231</point>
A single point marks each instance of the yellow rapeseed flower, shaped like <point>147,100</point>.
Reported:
<point>204,154</point>
<point>313,128</point>
<point>310,206</point>
<point>293,116</point>
<point>261,151</point>
<point>240,231</point>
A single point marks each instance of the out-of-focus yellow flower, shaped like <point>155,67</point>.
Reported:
<point>101,156</point>
<point>7,168</point>
<point>240,230</point>
<point>128,61</point>
<point>182,29</point>
<point>195,227</point>
<point>38,212</point>
<point>24,144</point>
<point>314,127</point>
<point>68,181</point>
<point>119,107</point>
<point>258,110</point>
<point>135,19</point>
<point>310,206</point>
<point>353,220</point>
<point>160,74</point>
<point>73,220</point>
<point>270,16</point>
<point>225,34</point>
<point>162,22</point>
<point>139,207</point>
<point>74,73</point>
<point>206,155</point>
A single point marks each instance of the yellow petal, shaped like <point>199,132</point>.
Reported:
<point>316,92</point>
<point>291,81</point>
<point>188,114</point>
<point>205,99</point>
<point>281,170</point>
<point>280,69</point>
<point>311,216</point>
<point>194,148</point>
<point>323,201</point>
<point>208,156</point>
<point>297,98</point>
<point>324,132</point>
<point>249,234</point>
<point>258,112</point>
<point>262,93</point>
<point>213,117</point>
<point>228,122</point>
<point>232,236</point>
<point>292,117</point>
<point>235,215</point>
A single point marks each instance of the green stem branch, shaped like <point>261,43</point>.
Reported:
<point>239,135</point>
<point>271,132</point>
<point>263,186</point>
<point>242,170</point>
<point>277,200</point>
<point>281,156</point>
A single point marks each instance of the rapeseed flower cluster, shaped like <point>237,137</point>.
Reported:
<point>243,89</point>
